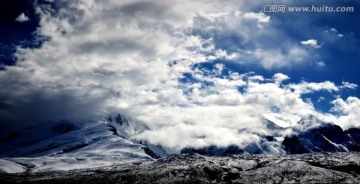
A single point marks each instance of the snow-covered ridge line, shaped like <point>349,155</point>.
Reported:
<point>67,145</point>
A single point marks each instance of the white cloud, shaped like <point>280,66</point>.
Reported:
<point>320,99</point>
<point>22,18</point>
<point>311,42</point>
<point>349,110</point>
<point>333,30</point>
<point>310,87</point>
<point>256,78</point>
<point>261,18</point>
<point>222,54</point>
<point>279,77</point>
<point>271,59</point>
<point>320,63</point>
<point>348,85</point>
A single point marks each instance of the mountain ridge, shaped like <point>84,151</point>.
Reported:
<point>66,145</point>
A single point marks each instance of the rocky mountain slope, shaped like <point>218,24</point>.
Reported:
<point>195,168</point>
<point>106,152</point>
<point>312,135</point>
<point>66,145</point>
<point>309,136</point>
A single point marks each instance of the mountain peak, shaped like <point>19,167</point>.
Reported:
<point>322,137</point>
<point>308,122</point>
<point>62,142</point>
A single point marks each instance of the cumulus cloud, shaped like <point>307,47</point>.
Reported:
<point>311,42</point>
<point>103,53</point>
<point>349,110</point>
<point>271,59</point>
<point>22,18</point>
<point>162,63</point>
<point>261,18</point>
<point>279,77</point>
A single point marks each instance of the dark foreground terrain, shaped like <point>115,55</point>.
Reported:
<point>194,168</point>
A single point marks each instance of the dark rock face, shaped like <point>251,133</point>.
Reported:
<point>292,144</point>
<point>324,138</point>
<point>119,119</point>
<point>150,152</point>
<point>270,138</point>
<point>354,133</point>
<point>214,150</point>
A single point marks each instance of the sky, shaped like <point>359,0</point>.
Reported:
<point>196,72</point>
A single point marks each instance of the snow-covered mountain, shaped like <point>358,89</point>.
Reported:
<point>65,145</point>
<point>310,135</point>
<point>313,135</point>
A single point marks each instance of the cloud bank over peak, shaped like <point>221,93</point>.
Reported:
<point>168,64</point>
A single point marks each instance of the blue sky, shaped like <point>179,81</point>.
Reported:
<point>15,33</point>
<point>191,69</point>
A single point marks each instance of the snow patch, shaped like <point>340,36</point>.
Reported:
<point>11,167</point>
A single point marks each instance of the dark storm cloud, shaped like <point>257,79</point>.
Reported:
<point>39,106</point>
